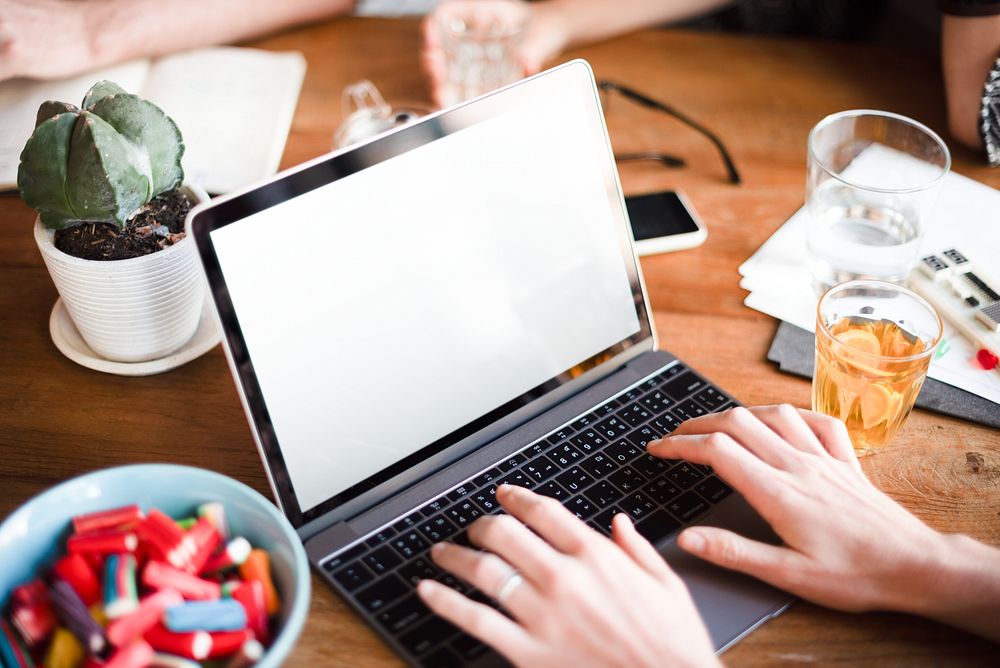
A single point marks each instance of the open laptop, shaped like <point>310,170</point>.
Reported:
<point>450,305</point>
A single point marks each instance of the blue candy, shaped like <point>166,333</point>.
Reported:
<point>221,615</point>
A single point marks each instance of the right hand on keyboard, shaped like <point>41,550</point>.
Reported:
<point>584,600</point>
<point>847,545</point>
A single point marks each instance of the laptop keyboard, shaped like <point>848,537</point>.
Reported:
<point>596,466</point>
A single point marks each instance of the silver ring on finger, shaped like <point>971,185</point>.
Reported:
<point>507,586</point>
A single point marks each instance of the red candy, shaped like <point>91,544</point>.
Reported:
<point>75,570</point>
<point>116,518</point>
<point>170,565</point>
<point>250,595</point>
<point>31,612</point>
<point>986,359</point>
<point>158,575</point>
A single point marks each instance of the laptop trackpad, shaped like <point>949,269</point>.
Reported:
<point>732,604</point>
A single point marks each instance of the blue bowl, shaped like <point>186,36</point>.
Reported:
<point>34,536</point>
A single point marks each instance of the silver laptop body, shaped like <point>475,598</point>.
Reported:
<point>451,304</point>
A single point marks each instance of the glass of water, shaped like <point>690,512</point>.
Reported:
<point>480,40</point>
<point>872,183</point>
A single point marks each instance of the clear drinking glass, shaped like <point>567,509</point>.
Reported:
<point>874,342</point>
<point>480,39</point>
<point>867,216</point>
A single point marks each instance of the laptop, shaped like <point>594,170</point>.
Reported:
<point>451,305</point>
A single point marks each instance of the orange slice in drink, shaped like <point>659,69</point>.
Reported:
<point>860,339</point>
<point>877,403</point>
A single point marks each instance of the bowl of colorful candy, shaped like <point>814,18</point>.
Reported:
<point>150,565</point>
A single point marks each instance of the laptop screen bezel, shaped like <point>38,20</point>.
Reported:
<point>230,209</point>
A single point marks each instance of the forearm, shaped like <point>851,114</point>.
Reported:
<point>960,587</point>
<point>969,47</point>
<point>586,21</point>
<point>123,29</point>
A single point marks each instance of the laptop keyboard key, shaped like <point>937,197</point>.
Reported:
<point>437,529</point>
<point>518,478</point>
<point>666,423</point>
<point>463,513</point>
<point>685,474</point>
<point>631,395</point>
<point>564,455</point>
<point>650,466</point>
<point>382,560</point>
<point>622,451</point>
<point>512,462</point>
<point>442,657</point>
<point>380,537</point>
<point>603,494</point>
<point>588,419</point>
<point>552,489</point>
<point>635,414</point>
<point>657,526</point>
<point>541,468</point>
<point>403,614</point>
<point>576,479</point>
<point>627,479</point>
<point>598,466</point>
<point>469,648</point>
<point>486,499</point>
<point>689,409</point>
<point>409,544</point>
<point>427,635</point>
<point>711,398</point>
<point>353,576</point>
<point>589,441</point>
<point>434,507</point>
<point>459,492</point>
<point>560,435</point>
<point>662,490</point>
<point>602,521</point>
<point>581,507</point>
<point>382,593</point>
<point>642,437</point>
<point>607,409</point>
<point>656,402</point>
<point>462,538</point>
<point>344,557</point>
<point>419,569</point>
<point>484,478</point>
<point>713,489</point>
<point>407,522</point>
<point>612,428</point>
<point>673,371</point>
<point>687,506</point>
<point>637,505</point>
<point>681,386</point>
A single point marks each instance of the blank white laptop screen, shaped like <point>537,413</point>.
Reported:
<point>388,308</point>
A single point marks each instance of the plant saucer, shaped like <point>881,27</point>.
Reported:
<point>67,339</point>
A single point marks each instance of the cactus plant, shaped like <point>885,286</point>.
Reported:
<point>101,162</point>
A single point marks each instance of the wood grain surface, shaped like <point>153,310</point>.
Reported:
<point>761,96</point>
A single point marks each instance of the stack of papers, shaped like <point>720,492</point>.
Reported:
<point>233,106</point>
<point>966,216</point>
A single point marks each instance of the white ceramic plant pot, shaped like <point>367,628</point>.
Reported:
<point>131,310</point>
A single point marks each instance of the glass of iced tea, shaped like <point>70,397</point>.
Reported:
<point>874,342</point>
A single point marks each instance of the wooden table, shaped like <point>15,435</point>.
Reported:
<point>761,96</point>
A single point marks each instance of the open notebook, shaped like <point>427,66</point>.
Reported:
<point>234,107</point>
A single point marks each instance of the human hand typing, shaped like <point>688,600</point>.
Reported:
<point>846,544</point>
<point>575,597</point>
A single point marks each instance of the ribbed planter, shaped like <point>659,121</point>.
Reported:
<point>131,310</point>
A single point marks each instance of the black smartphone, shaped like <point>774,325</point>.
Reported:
<point>662,222</point>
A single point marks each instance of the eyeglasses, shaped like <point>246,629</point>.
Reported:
<point>669,160</point>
